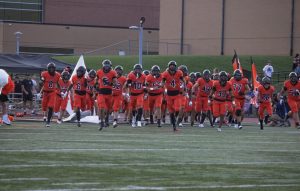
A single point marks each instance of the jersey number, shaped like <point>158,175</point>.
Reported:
<point>50,84</point>
<point>173,83</point>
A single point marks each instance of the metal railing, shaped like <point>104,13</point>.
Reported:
<point>278,77</point>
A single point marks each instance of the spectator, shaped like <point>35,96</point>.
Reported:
<point>297,69</point>
<point>18,87</point>
<point>268,70</point>
<point>295,64</point>
<point>27,86</point>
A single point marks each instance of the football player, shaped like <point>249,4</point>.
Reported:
<point>239,89</point>
<point>90,91</point>
<point>62,98</point>
<point>265,92</point>
<point>155,92</point>
<point>172,78</point>
<point>219,92</point>
<point>204,86</point>
<point>292,87</point>
<point>79,85</point>
<point>135,87</point>
<point>106,78</point>
<point>117,95</point>
<point>50,85</point>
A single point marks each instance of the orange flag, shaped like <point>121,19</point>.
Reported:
<point>255,83</point>
<point>236,62</point>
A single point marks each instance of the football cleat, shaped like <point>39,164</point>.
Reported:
<point>219,129</point>
<point>139,124</point>
<point>78,124</point>
<point>101,126</point>
<point>180,125</point>
<point>59,121</point>
<point>240,127</point>
<point>133,124</point>
<point>47,124</point>
<point>201,125</point>
<point>115,124</point>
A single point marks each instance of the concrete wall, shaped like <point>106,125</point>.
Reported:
<point>81,39</point>
<point>114,13</point>
<point>252,27</point>
<point>1,37</point>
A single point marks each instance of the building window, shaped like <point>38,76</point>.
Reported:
<point>21,10</point>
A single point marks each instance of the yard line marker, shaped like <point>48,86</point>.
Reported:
<point>22,179</point>
<point>141,164</point>
<point>140,150</point>
<point>151,141</point>
<point>131,187</point>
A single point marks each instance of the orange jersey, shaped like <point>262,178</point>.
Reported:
<point>137,84</point>
<point>50,82</point>
<point>90,85</point>
<point>204,87</point>
<point>63,86</point>
<point>105,80</point>
<point>154,82</point>
<point>265,94</point>
<point>238,87</point>
<point>117,88</point>
<point>291,89</point>
<point>172,81</point>
<point>79,84</point>
<point>221,91</point>
<point>189,86</point>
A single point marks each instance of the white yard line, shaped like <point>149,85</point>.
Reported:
<point>142,164</point>
<point>21,179</point>
<point>131,187</point>
<point>151,141</point>
<point>141,150</point>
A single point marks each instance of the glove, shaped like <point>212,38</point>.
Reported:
<point>145,96</point>
<point>190,103</point>
<point>187,96</point>
<point>297,93</point>
<point>64,95</point>
<point>233,103</point>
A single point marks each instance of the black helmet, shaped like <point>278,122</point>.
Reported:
<point>146,72</point>
<point>266,80</point>
<point>119,70</point>
<point>193,77</point>
<point>172,65</point>
<point>106,65</point>
<point>293,77</point>
<point>198,75</point>
<point>80,71</point>
<point>51,68</point>
<point>237,74</point>
<point>155,71</point>
<point>137,68</point>
<point>223,76</point>
<point>206,74</point>
<point>92,74</point>
<point>65,75</point>
<point>184,69</point>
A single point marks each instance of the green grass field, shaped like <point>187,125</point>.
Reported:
<point>194,63</point>
<point>69,158</point>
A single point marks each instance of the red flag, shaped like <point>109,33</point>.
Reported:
<point>236,63</point>
<point>255,83</point>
